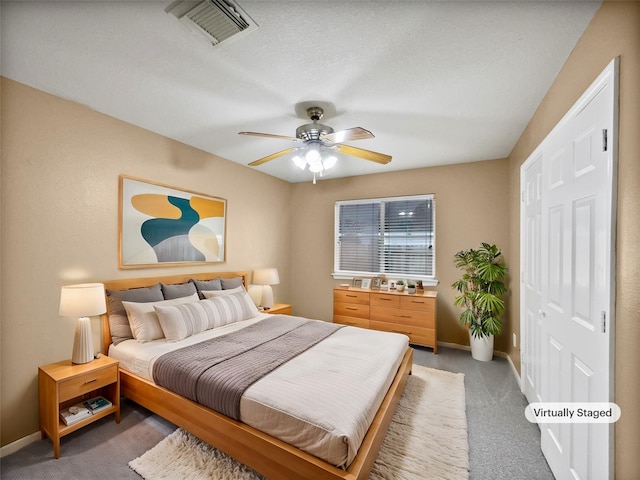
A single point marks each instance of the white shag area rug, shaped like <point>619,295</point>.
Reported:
<point>427,438</point>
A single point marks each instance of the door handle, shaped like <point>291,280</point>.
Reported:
<point>542,313</point>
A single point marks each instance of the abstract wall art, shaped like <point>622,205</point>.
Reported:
<point>164,226</point>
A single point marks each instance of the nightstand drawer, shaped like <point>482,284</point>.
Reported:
<point>86,383</point>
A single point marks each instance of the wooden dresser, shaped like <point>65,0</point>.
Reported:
<point>413,315</point>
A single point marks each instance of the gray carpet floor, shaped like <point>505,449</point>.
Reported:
<point>503,444</point>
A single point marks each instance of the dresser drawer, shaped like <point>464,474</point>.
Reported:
<point>351,296</point>
<point>351,310</point>
<point>417,335</point>
<point>385,300</point>
<point>81,384</point>
<point>351,321</point>
<point>424,304</point>
<point>403,317</point>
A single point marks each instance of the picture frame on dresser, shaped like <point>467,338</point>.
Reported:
<point>356,282</point>
<point>366,283</point>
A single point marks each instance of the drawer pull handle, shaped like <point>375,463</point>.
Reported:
<point>352,296</point>
<point>414,301</point>
<point>400,331</point>
<point>403,316</point>
<point>351,308</point>
<point>385,299</point>
<point>90,381</point>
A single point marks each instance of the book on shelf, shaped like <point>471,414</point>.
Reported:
<point>74,414</point>
<point>97,404</point>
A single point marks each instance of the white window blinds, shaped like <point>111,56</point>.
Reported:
<point>389,236</point>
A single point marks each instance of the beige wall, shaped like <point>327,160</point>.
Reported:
<point>614,31</point>
<point>471,207</point>
<point>60,167</point>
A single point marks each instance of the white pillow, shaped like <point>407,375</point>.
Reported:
<point>222,293</point>
<point>244,301</point>
<point>180,321</point>
<point>144,320</point>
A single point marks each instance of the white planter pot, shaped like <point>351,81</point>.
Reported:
<point>400,288</point>
<point>481,347</point>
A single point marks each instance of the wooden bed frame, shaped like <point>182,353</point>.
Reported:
<point>267,455</point>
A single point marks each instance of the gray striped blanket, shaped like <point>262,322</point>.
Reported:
<point>216,372</point>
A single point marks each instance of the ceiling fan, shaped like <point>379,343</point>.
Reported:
<point>319,144</point>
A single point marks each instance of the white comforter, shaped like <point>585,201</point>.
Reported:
<point>322,401</point>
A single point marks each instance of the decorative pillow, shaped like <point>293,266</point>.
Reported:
<point>178,290</point>
<point>118,321</point>
<point>144,321</point>
<point>229,283</point>
<point>206,285</point>
<point>181,321</point>
<point>221,293</point>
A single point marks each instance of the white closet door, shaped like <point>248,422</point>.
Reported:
<point>575,321</point>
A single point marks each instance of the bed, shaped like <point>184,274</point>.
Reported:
<point>267,454</point>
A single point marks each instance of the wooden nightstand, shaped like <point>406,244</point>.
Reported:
<point>63,384</point>
<point>280,309</point>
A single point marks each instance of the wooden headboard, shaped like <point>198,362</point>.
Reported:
<point>127,283</point>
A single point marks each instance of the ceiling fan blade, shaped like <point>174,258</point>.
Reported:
<point>270,135</point>
<point>365,154</point>
<point>271,157</point>
<point>355,133</point>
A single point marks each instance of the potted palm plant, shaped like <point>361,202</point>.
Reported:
<point>480,290</point>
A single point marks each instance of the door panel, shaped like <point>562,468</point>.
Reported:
<point>532,356</point>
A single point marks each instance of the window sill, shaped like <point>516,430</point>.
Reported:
<point>426,282</point>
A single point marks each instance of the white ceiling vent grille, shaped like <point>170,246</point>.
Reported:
<point>215,20</point>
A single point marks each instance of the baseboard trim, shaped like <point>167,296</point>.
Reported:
<point>18,444</point>
<point>495,352</point>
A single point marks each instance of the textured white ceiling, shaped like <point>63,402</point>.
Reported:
<point>436,82</point>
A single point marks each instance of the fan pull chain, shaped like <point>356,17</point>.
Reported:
<point>314,178</point>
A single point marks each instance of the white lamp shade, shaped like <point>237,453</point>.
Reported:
<point>82,300</point>
<point>266,276</point>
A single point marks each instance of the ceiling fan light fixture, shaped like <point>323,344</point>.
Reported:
<point>312,156</point>
<point>320,145</point>
<point>316,167</point>
<point>329,162</point>
<point>299,162</point>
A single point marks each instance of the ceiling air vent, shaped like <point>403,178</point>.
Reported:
<point>215,20</point>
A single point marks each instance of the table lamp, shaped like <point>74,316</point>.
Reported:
<point>266,277</point>
<point>83,301</point>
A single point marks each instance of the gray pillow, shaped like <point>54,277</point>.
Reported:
<point>118,321</point>
<point>177,291</point>
<point>206,285</point>
<point>228,283</point>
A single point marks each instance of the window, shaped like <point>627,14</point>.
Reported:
<point>386,236</point>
